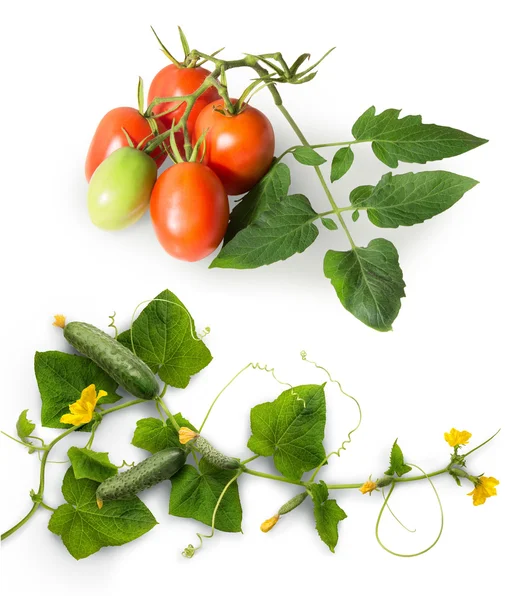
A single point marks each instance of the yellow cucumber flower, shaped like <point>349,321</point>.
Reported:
<point>484,489</point>
<point>269,524</point>
<point>457,438</point>
<point>368,487</point>
<point>82,410</point>
<point>59,321</point>
<point>186,435</point>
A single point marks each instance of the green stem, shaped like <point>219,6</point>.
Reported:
<point>269,476</point>
<point>121,406</point>
<point>314,146</point>
<point>343,209</point>
<point>23,443</point>
<point>168,413</point>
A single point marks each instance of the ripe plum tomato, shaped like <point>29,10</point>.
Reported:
<point>239,148</point>
<point>119,191</point>
<point>189,210</point>
<point>109,136</point>
<point>180,81</point>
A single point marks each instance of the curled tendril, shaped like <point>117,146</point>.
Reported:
<point>395,516</point>
<point>271,372</point>
<point>113,324</point>
<point>337,452</point>
<point>385,505</point>
<point>125,464</point>
<point>190,550</point>
<point>193,332</point>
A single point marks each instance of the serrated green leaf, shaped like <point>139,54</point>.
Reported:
<point>327,514</point>
<point>153,435</point>
<point>61,378</point>
<point>195,494</point>
<point>88,464</point>
<point>341,163</point>
<point>412,198</point>
<point>285,228</point>
<point>85,529</point>
<point>409,139</point>
<point>307,156</point>
<point>368,281</point>
<point>24,427</point>
<point>291,430</point>
<point>163,336</point>
<point>329,223</point>
<point>272,187</point>
<point>397,464</point>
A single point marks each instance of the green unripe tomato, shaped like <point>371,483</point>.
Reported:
<point>120,188</point>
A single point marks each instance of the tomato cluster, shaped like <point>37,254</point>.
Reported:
<point>189,201</point>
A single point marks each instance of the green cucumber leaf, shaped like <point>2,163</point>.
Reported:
<point>411,198</point>
<point>85,529</point>
<point>409,139</point>
<point>341,163</point>
<point>291,430</point>
<point>307,156</point>
<point>153,435</point>
<point>195,493</point>
<point>327,514</point>
<point>397,464</point>
<point>163,336</point>
<point>368,281</point>
<point>88,464</point>
<point>61,378</point>
<point>285,228</point>
<point>329,223</point>
<point>272,187</point>
<point>24,427</point>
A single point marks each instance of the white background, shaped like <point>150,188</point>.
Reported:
<point>451,361</point>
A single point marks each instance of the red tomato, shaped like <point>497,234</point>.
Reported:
<point>189,210</point>
<point>109,136</point>
<point>239,148</point>
<point>175,81</point>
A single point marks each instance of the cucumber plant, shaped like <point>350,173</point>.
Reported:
<point>101,507</point>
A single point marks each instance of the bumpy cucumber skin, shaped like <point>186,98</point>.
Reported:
<point>293,503</point>
<point>134,375</point>
<point>214,456</point>
<point>145,474</point>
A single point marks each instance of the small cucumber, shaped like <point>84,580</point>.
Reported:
<point>147,473</point>
<point>134,375</point>
<point>214,456</point>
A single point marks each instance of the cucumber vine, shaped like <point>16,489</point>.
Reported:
<point>290,429</point>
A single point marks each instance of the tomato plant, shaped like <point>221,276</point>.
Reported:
<point>189,210</point>
<point>119,191</point>
<point>110,135</point>
<point>239,147</point>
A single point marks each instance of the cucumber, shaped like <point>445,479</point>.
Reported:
<point>214,456</point>
<point>147,473</point>
<point>134,375</point>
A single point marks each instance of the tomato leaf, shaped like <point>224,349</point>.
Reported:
<point>285,228</point>
<point>61,378</point>
<point>307,156</point>
<point>272,187</point>
<point>397,464</point>
<point>88,464</point>
<point>355,215</point>
<point>368,282</point>
<point>411,198</point>
<point>409,139</point>
<point>195,494</point>
<point>24,427</point>
<point>153,435</point>
<point>85,529</point>
<point>329,223</point>
<point>341,163</point>
<point>327,514</point>
<point>291,430</point>
<point>164,337</point>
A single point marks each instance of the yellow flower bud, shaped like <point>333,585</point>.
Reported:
<point>368,487</point>
<point>269,524</point>
<point>59,321</point>
<point>186,435</point>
